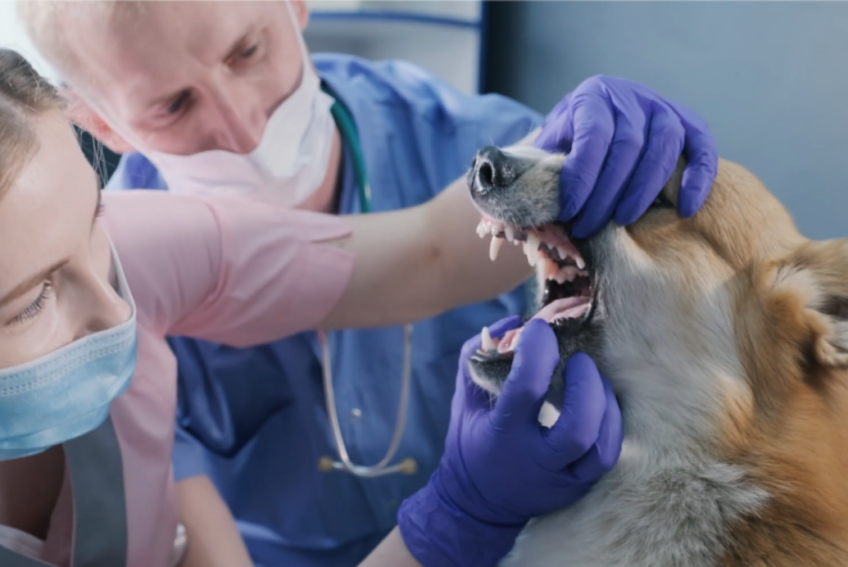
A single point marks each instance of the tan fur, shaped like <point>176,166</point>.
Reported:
<point>789,428</point>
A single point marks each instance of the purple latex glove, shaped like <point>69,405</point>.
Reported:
<point>624,140</point>
<point>501,467</point>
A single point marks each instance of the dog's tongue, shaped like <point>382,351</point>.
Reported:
<point>568,308</point>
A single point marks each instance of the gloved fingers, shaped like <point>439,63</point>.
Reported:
<point>536,357</point>
<point>584,405</point>
<point>624,150</point>
<point>593,125</point>
<point>473,396</point>
<point>602,457</point>
<point>665,143</point>
<point>699,175</point>
<point>556,134</point>
<point>702,167</point>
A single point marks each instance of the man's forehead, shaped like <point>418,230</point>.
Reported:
<point>140,58</point>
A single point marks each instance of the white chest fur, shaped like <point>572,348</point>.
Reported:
<point>642,516</point>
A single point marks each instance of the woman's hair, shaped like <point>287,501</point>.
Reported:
<point>24,96</point>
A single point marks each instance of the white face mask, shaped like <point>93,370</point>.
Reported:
<point>285,169</point>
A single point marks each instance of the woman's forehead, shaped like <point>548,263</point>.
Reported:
<point>49,207</point>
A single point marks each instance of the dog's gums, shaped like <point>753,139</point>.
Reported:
<point>566,288</point>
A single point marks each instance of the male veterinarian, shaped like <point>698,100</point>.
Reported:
<point>223,97</point>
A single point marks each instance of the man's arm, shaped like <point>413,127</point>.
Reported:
<point>415,263</point>
<point>391,551</point>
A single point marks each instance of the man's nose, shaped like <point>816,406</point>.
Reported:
<point>491,171</point>
<point>242,124</point>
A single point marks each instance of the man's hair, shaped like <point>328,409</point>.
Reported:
<point>48,22</point>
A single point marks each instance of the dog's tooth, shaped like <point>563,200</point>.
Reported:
<point>533,243</point>
<point>486,338</point>
<point>510,234</point>
<point>580,262</point>
<point>532,255</point>
<point>549,268</point>
<point>563,253</point>
<point>482,230</point>
<point>554,269</point>
<point>494,247</point>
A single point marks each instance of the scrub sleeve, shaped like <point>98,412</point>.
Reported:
<point>227,270</point>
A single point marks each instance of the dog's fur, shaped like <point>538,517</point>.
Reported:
<point>725,339</point>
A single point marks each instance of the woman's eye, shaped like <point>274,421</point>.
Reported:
<point>249,52</point>
<point>36,306</point>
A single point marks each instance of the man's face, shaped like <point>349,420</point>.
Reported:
<point>187,77</point>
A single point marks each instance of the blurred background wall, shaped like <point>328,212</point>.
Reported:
<point>770,78</point>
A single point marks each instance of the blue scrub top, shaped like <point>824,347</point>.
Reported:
<point>254,420</point>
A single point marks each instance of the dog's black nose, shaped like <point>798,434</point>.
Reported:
<point>491,170</point>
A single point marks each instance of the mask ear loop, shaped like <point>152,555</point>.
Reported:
<point>301,43</point>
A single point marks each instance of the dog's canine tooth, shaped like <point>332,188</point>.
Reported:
<point>486,339</point>
<point>533,243</point>
<point>531,253</point>
<point>581,264</point>
<point>494,247</point>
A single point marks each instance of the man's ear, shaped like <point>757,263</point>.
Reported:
<point>813,281</point>
<point>81,114</point>
<point>301,12</point>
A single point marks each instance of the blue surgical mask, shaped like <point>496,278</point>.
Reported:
<point>67,393</point>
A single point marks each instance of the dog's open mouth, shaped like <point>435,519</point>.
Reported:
<point>567,293</point>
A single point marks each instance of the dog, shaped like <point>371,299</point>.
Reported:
<point>725,338</point>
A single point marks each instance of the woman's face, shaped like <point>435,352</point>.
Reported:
<point>56,279</point>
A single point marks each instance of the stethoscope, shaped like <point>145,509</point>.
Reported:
<point>325,464</point>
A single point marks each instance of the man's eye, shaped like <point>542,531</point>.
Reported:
<point>249,52</point>
<point>178,103</point>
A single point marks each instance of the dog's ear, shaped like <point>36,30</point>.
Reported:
<point>811,289</point>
